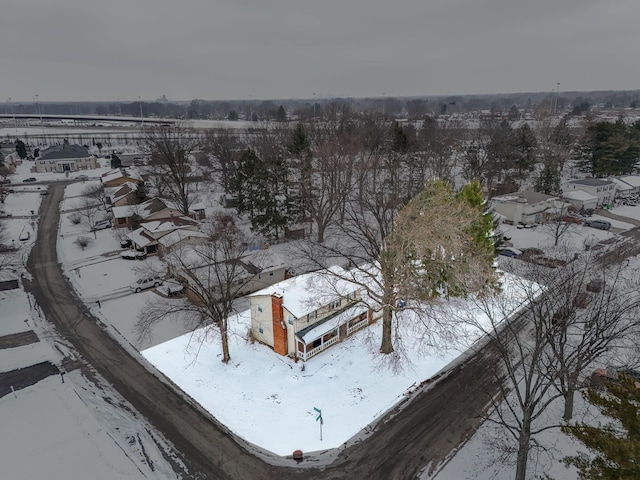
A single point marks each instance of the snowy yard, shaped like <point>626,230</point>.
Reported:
<point>265,398</point>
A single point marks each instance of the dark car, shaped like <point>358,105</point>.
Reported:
<point>509,252</point>
<point>29,180</point>
<point>125,243</point>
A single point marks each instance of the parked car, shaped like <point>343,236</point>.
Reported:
<point>133,255</point>
<point>146,282</point>
<point>102,225</point>
<point>125,243</point>
<point>29,180</point>
<point>510,252</point>
<point>612,374</point>
<point>601,224</point>
<point>82,177</point>
<point>43,192</point>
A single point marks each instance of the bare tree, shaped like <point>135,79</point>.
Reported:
<point>548,347</point>
<point>224,148</point>
<point>82,241</point>
<point>420,253</point>
<point>215,276</point>
<point>170,148</point>
<point>97,192</point>
<point>88,208</point>
<point>557,229</point>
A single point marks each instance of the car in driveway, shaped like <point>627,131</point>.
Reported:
<point>601,224</point>
<point>133,255</point>
<point>572,219</point>
<point>29,180</point>
<point>143,283</point>
<point>102,225</point>
<point>82,177</point>
<point>510,252</point>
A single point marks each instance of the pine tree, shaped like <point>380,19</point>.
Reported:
<point>548,181</point>
<point>21,149</point>
<point>616,445</point>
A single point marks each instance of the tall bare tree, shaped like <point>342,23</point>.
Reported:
<point>89,209</point>
<point>215,276</point>
<point>170,149</point>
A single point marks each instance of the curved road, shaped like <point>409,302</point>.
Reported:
<point>419,432</point>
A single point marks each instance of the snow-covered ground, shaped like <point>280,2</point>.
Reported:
<point>265,398</point>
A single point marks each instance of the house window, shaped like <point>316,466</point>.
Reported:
<point>290,320</point>
<point>260,328</point>
<point>313,315</point>
<point>271,274</point>
<point>335,304</point>
<point>259,307</point>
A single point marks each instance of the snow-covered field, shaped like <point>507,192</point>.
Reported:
<point>265,398</point>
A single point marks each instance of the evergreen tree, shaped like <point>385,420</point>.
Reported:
<point>609,149</point>
<point>616,445</point>
<point>548,181</point>
<point>21,149</point>
<point>281,114</point>
<point>482,230</point>
<point>115,161</point>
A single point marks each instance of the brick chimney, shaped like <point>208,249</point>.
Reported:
<point>279,327</point>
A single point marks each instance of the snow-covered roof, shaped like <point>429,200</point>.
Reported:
<point>621,185</point>
<point>633,180</point>
<point>178,235</point>
<point>140,238</point>
<point>579,195</point>
<point>309,334</point>
<point>306,293</point>
<point>591,182</point>
<point>117,173</point>
<point>169,224</point>
<point>528,197</point>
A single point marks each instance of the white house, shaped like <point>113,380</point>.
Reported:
<point>65,158</point>
<point>304,315</point>
<point>633,181</point>
<point>581,199</point>
<point>605,190</point>
<point>525,207</point>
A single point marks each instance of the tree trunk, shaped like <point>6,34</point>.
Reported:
<point>568,403</point>
<point>224,339</point>
<point>387,344</point>
<point>523,449</point>
<point>320,233</point>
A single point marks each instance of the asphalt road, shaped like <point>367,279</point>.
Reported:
<point>422,431</point>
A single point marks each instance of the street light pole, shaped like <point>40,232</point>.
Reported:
<point>555,104</point>
<point>141,117</point>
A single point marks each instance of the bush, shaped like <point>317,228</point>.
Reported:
<point>82,242</point>
<point>75,218</point>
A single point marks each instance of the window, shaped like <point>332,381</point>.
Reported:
<point>259,307</point>
<point>260,328</point>
<point>313,315</point>
<point>271,274</point>
<point>290,320</point>
<point>335,304</point>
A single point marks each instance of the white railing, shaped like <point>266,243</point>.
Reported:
<point>307,355</point>
<point>357,326</point>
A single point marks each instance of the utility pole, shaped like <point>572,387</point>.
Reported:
<point>555,104</point>
<point>141,117</point>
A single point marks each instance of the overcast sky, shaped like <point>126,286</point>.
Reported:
<point>269,49</point>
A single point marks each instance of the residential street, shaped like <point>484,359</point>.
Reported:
<point>418,433</point>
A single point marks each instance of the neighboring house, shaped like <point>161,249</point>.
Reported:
<point>633,182</point>
<point>132,159</point>
<point>124,194</point>
<point>623,188</point>
<point>117,177</point>
<point>605,190</point>
<point>525,207</point>
<point>304,315</point>
<point>580,199</point>
<point>153,209</point>
<point>146,237</point>
<point>65,158</point>
<point>179,239</point>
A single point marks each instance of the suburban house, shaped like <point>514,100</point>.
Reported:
<point>633,182</point>
<point>604,190</point>
<point>623,187</point>
<point>304,315</point>
<point>525,207</point>
<point>64,158</point>
<point>117,177</point>
<point>253,273</point>
<point>124,194</point>
<point>146,237</point>
<point>179,238</point>
<point>580,199</point>
<point>153,209</point>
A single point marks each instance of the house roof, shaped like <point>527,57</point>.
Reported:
<point>118,173</point>
<point>143,209</point>
<point>140,238</point>
<point>621,185</point>
<point>176,236</point>
<point>306,293</point>
<point>633,180</point>
<point>579,195</point>
<point>60,152</point>
<point>315,331</point>
<point>591,182</point>
<point>528,197</point>
<point>121,191</point>
<point>169,224</point>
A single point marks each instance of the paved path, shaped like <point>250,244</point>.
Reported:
<point>23,377</point>
<point>18,339</point>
